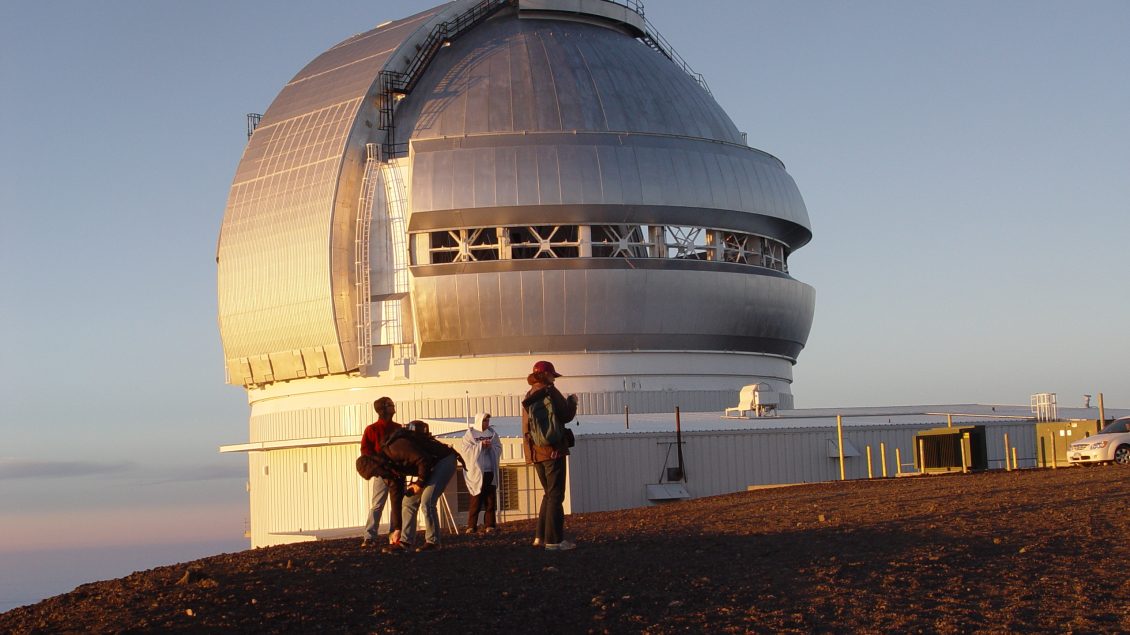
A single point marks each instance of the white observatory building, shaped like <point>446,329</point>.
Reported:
<point>429,207</point>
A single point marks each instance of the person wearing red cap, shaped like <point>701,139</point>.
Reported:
<point>548,461</point>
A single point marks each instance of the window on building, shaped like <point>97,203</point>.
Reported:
<point>620,241</point>
<point>544,241</point>
<point>508,489</point>
<point>686,243</point>
<point>606,241</point>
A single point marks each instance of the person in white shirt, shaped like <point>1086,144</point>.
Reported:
<point>481,450</point>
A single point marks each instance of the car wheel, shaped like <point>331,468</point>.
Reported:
<point>1122,455</point>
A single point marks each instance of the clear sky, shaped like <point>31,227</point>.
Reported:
<point>966,167</point>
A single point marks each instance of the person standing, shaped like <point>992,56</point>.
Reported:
<point>548,460</point>
<point>373,438</point>
<point>429,466</point>
<point>481,450</point>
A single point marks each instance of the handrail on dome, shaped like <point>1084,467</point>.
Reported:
<point>394,85</point>
<point>655,40</point>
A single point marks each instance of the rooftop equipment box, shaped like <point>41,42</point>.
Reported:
<point>955,449</point>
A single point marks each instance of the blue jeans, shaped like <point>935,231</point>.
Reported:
<point>434,486</point>
<point>376,507</point>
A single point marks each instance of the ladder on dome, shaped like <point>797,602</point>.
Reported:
<point>396,197</point>
<point>361,257</point>
<point>394,85</point>
<point>395,200</point>
<point>656,41</point>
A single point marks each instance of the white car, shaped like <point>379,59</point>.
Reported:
<point>1110,445</point>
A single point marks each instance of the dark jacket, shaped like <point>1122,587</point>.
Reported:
<point>414,454</point>
<point>564,409</point>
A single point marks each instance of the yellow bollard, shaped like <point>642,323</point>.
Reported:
<point>898,463</point>
<point>840,436</point>
<point>869,474</point>
<point>1007,465</point>
<point>883,457</point>
<point>1014,465</point>
<point>964,460</point>
<point>1055,459</point>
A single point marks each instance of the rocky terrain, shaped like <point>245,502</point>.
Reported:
<point>1026,551</point>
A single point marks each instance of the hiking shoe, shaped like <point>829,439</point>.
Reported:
<point>536,542</point>
<point>564,545</point>
<point>395,547</point>
<point>470,530</point>
<point>427,546</point>
<point>368,543</point>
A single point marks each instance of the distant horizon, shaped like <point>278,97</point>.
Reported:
<point>28,577</point>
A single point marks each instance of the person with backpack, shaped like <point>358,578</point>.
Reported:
<point>374,436</point>
<point>428,466</point>
<point>545,411</point>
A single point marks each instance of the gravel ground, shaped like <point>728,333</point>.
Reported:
<point>1026,551</point>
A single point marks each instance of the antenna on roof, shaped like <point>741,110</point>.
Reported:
<point>253,119</point>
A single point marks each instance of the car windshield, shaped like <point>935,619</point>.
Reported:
<point>1120,425</point>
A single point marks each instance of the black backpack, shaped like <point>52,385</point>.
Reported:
<point>378,465</point>
<point>545,428</point>
<point>425,443</point>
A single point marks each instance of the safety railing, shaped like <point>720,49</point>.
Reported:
<point>396,84</point>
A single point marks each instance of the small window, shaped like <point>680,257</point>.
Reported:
<point>619,241</point>
<point>544,241</point>
<point>462,496</point>
<point>508,489</point>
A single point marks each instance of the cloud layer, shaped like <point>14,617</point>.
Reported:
<point>13,468</point>
<point>18,468</point>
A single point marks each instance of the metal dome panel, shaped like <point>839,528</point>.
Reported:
<point>279,312</point>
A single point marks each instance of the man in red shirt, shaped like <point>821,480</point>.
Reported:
<point>371,440</point>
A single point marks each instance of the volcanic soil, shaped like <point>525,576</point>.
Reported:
<point>1024,551</point>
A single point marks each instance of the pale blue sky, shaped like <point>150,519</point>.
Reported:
<point>966,166</point>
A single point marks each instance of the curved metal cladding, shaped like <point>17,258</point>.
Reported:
<point>285,253</point>
<point>562,123</point>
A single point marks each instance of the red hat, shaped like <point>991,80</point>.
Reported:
<point>546,367</point>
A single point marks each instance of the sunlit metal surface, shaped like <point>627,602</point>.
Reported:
<point>285,252</point>
<point>430,206</point>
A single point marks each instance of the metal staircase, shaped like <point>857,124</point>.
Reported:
<point>394,85</point>
<point>361,256</point>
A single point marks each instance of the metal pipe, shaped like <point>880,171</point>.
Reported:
<point>964,460</point>
<point>1102,414</point>
<point>626,426</point>
<point>1007,466</point>
<point>840,444</point>
<point>679,442</point>
<point>1055,452</point>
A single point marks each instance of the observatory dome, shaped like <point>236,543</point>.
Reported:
<point>430,206</point>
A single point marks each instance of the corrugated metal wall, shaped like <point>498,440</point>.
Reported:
<point>305,489</point>
<point>351,419</point>
<point>312,422</point>
<point>610,472</point>
<point>316,488</point>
